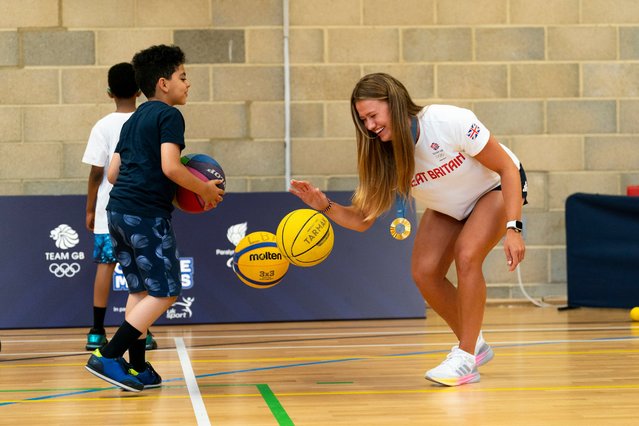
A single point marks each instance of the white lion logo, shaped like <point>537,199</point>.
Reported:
<point>65,237</point>
<point>235,233</point>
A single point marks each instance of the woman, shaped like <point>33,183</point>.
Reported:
<point>473,187</point>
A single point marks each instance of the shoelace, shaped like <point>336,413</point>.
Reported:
<point>451,357</point>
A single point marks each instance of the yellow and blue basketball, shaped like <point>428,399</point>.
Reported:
<point>257,261</point>
<point>305,237</point>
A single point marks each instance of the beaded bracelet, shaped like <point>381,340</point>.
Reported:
<point>330,204</point>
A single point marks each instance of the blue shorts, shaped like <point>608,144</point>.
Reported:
<point>103,249</point>
<point>147,252</point>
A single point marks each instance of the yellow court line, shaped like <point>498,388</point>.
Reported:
<point>342,393</point>
<point>466,389</point>
<point>120,398</point>
<point>588,352</point>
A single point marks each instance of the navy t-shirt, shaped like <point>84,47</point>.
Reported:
<point>142,189</point>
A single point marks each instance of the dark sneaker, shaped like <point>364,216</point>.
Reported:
<point>95,340</point>
<point>150,342</point>
<point>149,377</point>
<point>114,371</point>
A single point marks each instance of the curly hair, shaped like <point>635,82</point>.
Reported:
<point>154,63</point>
<point>121,79</point>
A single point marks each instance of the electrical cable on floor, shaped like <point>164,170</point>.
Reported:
<point>539,303</point>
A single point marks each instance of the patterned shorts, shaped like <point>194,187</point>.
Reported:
<point>147,252</point>
<point>103,249</point>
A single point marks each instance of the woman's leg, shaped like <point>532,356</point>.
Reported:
<point>483,229</point>
<point>433,253</point>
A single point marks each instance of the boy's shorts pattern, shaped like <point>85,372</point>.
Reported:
<point>147,252</point>
<point>103,249</point>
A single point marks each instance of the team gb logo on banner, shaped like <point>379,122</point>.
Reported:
<point>64,263</point>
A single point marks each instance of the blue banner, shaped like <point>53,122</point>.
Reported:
<point>602,250</point>
<point>48,271</point>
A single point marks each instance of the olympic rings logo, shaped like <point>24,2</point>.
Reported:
<point>64,269</point>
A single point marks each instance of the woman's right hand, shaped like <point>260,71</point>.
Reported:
<point>309,194</point>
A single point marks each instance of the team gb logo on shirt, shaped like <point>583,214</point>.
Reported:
<point>473,132</point>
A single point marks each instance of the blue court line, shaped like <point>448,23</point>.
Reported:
<point>221,373</point>
<point>276,367</point>
<point>59,395</point>
<point>306,364</point>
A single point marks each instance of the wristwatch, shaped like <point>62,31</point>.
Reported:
<point>516,225</point>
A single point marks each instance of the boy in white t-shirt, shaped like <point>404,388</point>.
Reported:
<point>102,141</point>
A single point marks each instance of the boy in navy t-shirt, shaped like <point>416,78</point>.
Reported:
<point>146,171</point>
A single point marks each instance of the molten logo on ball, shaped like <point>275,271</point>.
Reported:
<point>265,256</point>
<point>257,261</point>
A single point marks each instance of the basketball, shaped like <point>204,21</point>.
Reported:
<point>257,261</point>
<point>205,168</point>
<point>305,237</point>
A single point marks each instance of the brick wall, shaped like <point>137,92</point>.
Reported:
<point>556,80</point>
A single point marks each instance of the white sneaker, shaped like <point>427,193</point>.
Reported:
<point>483,352</point>
<point>457,369</point>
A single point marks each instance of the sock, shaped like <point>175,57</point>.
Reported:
<point>121,341</point>
<point>98,319</point>
<point>137,355</point>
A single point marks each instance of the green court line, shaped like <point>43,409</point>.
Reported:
<point>274,405</point>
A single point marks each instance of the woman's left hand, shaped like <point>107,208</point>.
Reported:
<point>514,248</point>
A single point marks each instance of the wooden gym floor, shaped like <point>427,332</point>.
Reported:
<point>551,367</point>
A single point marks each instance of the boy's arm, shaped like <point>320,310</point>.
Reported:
<point>173,168</point>
<point>95,178</point>
<point>114,168</point>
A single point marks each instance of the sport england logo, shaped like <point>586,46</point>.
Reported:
<point>65,238</point>
<point>184,307</point>
<point>187,271</point>
<point>234,234</point>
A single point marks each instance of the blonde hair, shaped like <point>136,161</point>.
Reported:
<point>385,168</point>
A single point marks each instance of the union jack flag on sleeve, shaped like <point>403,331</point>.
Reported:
<point>473,132</point>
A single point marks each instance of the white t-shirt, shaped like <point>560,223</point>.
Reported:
<point>102,141</point>
<point>447,178</point>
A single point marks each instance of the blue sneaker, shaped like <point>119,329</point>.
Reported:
<point>95,340</point>
<point>114,371</point>
<point>149,377</point>
<point>150,342</point>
